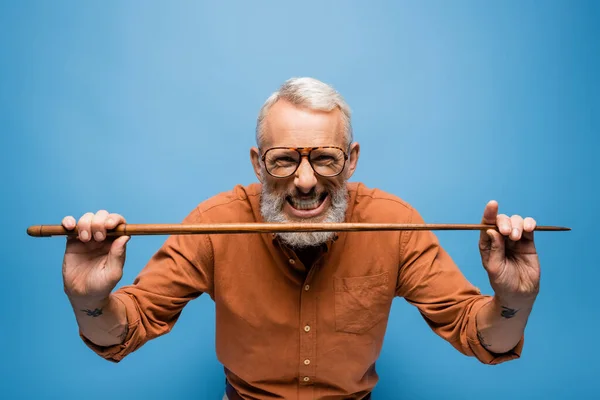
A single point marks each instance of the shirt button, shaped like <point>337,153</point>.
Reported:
<point>306,362</point>
<point>306,379</point>
<point>292,261</point>
<point>307,328</point>
<point>307,287</point>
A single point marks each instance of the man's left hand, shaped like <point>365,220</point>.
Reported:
<point>509,255</point>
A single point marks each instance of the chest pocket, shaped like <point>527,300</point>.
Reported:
<point>361,302</point>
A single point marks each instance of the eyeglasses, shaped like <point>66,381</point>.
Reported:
<point>326,161</point>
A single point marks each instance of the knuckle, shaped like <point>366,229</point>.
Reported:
<point>118,217</point>
<point>98,224</point>
<point>99,218</point>
<point>86,218</point>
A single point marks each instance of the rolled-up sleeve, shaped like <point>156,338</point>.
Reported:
<point>180,271</point>
<point>430,280</point>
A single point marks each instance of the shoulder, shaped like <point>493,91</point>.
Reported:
<point>375,195</point>
<point>235,205</point>
<point>235,197</point>
<point>376,204</point>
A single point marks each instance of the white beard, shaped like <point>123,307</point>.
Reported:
<point>271,208</point>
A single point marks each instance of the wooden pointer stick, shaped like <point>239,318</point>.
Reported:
<point>191,229</point>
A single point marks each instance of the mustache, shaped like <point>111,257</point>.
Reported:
<point>313,194</point>
<point>271,204</point>
<point>275,200</point>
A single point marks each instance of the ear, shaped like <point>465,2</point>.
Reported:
<point>255,159</point>
<point>352,159</point>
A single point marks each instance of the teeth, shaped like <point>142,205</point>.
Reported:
<point>305,204</point>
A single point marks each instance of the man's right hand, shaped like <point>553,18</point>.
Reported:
<point>93,263</point>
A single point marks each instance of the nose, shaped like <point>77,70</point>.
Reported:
<point>305,179</point>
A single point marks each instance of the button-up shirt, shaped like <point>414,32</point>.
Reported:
<point>295,331</point>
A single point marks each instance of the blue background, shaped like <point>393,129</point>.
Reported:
<point>146,109</point>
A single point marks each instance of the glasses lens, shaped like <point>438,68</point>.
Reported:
<point>281,162</point>
<point>327,161</point>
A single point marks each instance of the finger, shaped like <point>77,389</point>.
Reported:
<point>69,222</point>
<point>117,250</point>
<point>489,217</point>
<point>113,220</point>
<point>496,252</point>
<point>84,227</point>
<point>504,224</point>
<point>490,212</point>
<point>516,222</point>
<point>98,229</point>
<point>529,225</point>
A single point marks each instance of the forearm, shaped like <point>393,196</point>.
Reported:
<point>501,323</point>
<point>102,321</point>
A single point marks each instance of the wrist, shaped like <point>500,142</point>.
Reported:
<point>513,302</point>
<point>89,302</point>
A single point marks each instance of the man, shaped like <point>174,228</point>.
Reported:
<point>303,315</point>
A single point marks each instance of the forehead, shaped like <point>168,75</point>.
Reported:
<point>292,126</point>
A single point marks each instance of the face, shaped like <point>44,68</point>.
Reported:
<point>304,196</point>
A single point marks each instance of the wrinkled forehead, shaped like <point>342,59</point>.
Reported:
<point>291,126</point>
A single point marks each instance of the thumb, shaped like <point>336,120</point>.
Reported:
<point>497,250</point>
<point>116,254</point>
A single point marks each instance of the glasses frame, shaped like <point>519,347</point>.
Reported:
<point>302,151</point>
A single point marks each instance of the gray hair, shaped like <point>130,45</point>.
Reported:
<point>310,93</point>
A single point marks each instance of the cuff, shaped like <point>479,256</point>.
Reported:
<point>480,352</point>
<point>132,341</point>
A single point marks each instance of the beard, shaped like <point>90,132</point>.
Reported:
<point>271,208</point>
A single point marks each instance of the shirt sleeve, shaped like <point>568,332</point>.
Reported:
<point>180,271</point>
<point>430,280</point>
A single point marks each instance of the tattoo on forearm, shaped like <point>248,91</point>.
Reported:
<point>480,337</point>
<point>508,312</point>
<point>93,313</point>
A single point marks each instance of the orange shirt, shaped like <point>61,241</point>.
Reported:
<point>297,332</point>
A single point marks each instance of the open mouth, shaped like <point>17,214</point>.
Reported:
<point>307,204</point>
